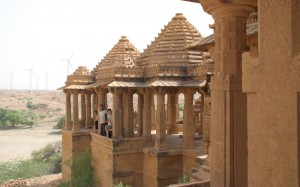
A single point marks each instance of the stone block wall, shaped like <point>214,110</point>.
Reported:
<point>71,143</point>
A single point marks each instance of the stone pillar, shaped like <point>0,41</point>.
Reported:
<point>140,112</point>
<point>117,112</point>
<point>76,127</point>
<point>88,110</point>
<point>102,97</point>
<point>153,114</point>
<point>189,126</point>
<point>68,123</point>
<point>171,112</point>
<point>147,137</point>
<point>229,116</point>
<point>177,107</point>
<point>128,114</point>
<point>160,138</point>
<point>83,109</point>
<point>206,124</point>
<point>271,79</point>
<point>95,102</point>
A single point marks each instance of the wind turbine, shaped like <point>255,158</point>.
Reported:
<point>69,62</point>
<point>11,79</point>
<point>37,81</point>
<point>31,72</point>
<point>46,80</point>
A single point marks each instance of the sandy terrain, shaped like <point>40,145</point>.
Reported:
<point>18,143</point>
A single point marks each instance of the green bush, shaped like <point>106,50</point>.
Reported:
<point>15,117</point>
<point>82,175</point>
<point>50,154</point>
<point>31,106</point>
<point>120,184</point>
<point>60,122</point>
<point>181,107</point>
<point>22,169</point>
<point>184,179</point>
<point>42,116</point>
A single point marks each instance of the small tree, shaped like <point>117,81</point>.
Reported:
<point>15,117</point>
<point>60,122</point>
<point>3,120</point>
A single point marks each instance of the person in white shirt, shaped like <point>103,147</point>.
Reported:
<point>102,120</point>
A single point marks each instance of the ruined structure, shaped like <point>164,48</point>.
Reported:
<point>140,157</point>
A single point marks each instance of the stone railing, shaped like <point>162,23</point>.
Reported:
<point>120,144</point>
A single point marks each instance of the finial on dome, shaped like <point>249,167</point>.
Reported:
<point>124,39</point>
<point>179,16</point>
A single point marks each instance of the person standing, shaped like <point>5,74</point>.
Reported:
<point>109,122</point>
<point>102,120</point>
<point>95,120</point>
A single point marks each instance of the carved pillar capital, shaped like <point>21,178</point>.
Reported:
<point>75,92</point>
<point>66,91</point>
<point>116,90</point>
<point>220,8</point>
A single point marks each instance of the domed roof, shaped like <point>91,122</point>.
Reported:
<point>170,45</point>
<point>122,54</point>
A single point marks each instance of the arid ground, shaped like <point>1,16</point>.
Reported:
<point>19,142</point>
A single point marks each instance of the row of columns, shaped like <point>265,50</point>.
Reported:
<point>123,125</point>
<point>85,109</point>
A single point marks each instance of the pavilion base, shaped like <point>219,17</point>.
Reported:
<point>127,160</point>
<point>162,168</point>
<point>72,143</point>
<point>117,160</point>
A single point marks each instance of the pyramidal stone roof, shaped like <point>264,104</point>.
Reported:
<point>122,54</point>
<point>170,45</point>
<point>80,76</point>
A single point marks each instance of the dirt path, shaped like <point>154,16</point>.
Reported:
<point>19,143</point>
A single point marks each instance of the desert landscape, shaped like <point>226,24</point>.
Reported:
<point>18,142</point>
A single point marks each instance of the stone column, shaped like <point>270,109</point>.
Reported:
<point>147,137</point>
<point>189,126</point>
<point>95,102</point>
<point>140,112</point>
<point>68,124</point>
<point>177,107</point>
<point>102,97</point>
<point>229,116</point>
<point>117,112</point>
<point>88,110</point>
<point>160,138</point>
<point>76,127</point>
<point>128,114</point>
<point>206,124</point>
<point>172,112</point>
<point>271,79</point>
<point>83,108</point>
<point>153,113</point>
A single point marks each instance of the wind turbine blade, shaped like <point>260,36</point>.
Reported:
<point>71,56</point>
<point>70,65</point>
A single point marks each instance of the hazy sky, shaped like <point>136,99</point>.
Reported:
<point>40,32</point>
